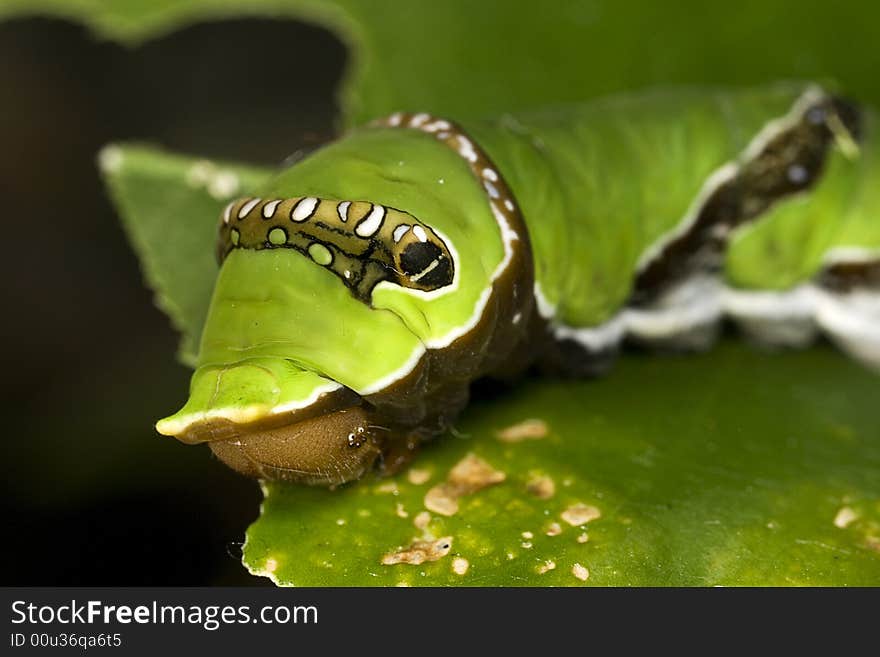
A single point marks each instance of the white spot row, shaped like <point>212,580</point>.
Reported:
<point>247,207</point>
<point>373,221</point>
<point>399,232</point>
<point>403,229</point>
<point>466,149</point>
<point>304,209</point>
<point>269,208</point>
<point>437,125</point>
<point>342,210</point>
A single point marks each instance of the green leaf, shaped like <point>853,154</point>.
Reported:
<point>465,58</point>
<point>736,467</point>
<point>170,206</point>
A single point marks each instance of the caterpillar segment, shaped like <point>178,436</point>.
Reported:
<point>365,287</point>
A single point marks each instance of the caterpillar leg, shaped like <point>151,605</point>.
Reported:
<point>852,321</point>
<point>794,318</point>
<point>687,317</point>
<point>398,453</point>
<point>776,319</point>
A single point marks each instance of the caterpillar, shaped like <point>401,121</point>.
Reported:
<point>364,288</point>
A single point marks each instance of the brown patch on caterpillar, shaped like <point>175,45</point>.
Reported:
<point>219,429</point>
<point>468,476</point>
<point>419,551</point>
<point>531,429</point>
<point>789,161</point>
<point>846,276</point>
<point>327,450</point>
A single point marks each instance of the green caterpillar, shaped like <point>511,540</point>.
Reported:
<point>365,287</point>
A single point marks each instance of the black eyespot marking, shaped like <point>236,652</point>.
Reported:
<point>425,264</point>
<point>439,276</point>
<point>417,256</point>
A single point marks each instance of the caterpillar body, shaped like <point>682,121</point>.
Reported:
<point>366,286</point>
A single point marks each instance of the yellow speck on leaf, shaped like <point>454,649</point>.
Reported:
<point>580,514</point>
<point>845,517</point>
<point>418,476</point>
<point>541,486</point>
<point>530,429</point>
<point>468,476</point>
<point>546,567</point>
<point>421,520</point>
<point>388,487</point>
<point>419,552</point>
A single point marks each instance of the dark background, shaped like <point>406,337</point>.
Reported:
<point>91,494</point>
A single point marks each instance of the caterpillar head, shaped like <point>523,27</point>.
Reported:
<point>330,449</point>
<point>293,347</point>
<point>341,327</point>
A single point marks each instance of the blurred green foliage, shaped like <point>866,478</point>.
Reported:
<point>465,58</point>
<point>169,206</point>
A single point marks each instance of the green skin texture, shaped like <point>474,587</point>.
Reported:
<point>787,245</point>
<point>277,304</point>
<point>597,185</point>
<point>600,184</point>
